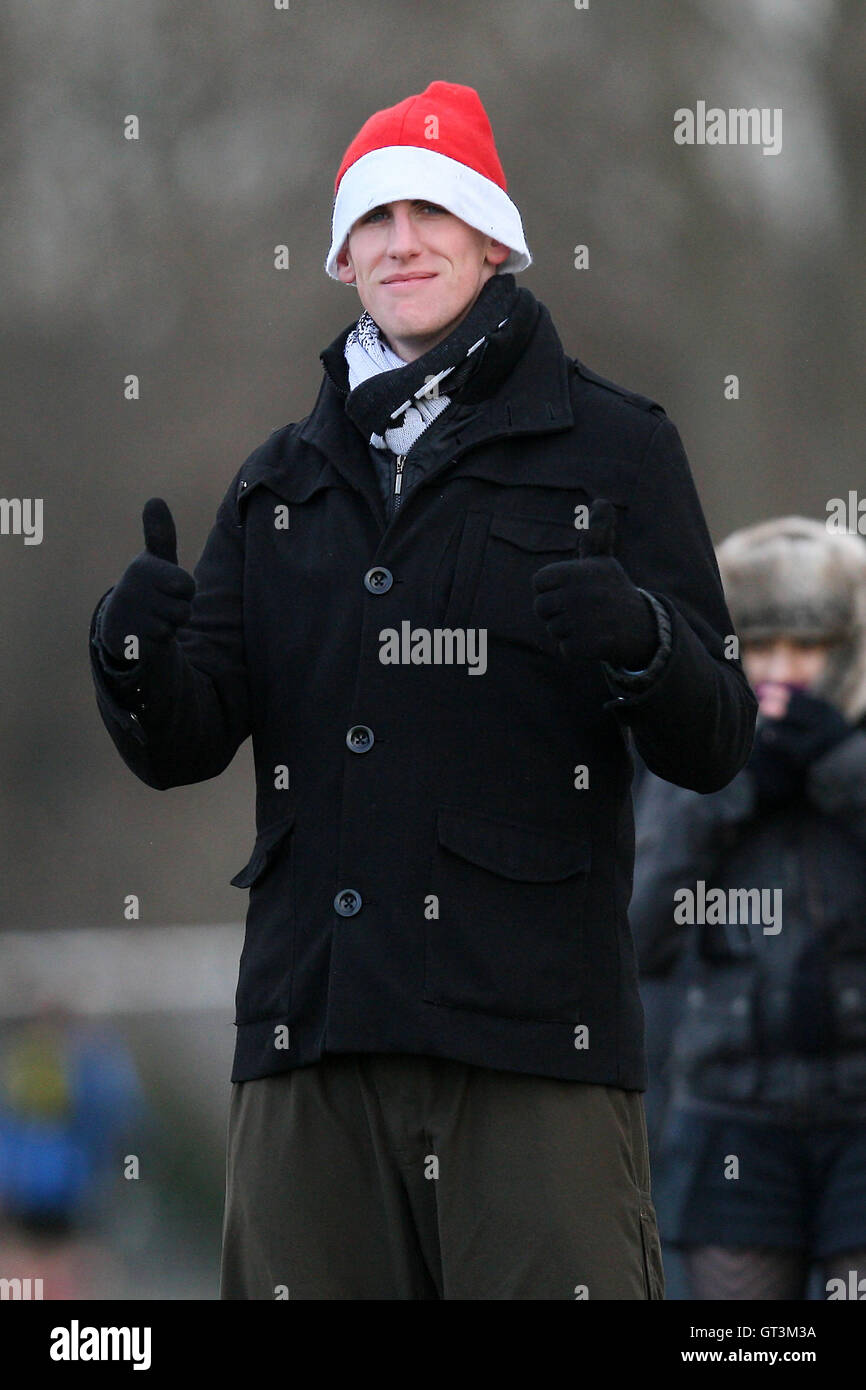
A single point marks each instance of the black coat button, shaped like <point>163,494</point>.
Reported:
<point>378,580</point>
<point>360,738</point>
<point>347,902</point>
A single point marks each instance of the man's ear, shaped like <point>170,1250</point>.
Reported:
<point>345,269</point>
<point>497,252</point>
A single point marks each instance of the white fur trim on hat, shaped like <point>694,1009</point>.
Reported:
<point>408,171</point>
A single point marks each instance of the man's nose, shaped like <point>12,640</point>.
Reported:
<point>402,235</point>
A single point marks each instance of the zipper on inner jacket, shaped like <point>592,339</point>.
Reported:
<point>398,480</point>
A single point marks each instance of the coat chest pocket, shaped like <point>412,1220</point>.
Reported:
<point>516,548</point>
<point>508,939</point>
<point>457,573</point>
<point>264,983</point>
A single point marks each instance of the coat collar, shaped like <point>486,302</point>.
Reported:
<point>534,397</point>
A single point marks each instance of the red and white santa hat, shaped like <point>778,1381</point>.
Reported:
<point>437,145</point>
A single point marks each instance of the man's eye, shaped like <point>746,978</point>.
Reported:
<point>380,212</point>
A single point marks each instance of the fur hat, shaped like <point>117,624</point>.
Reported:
<point>792,577</point>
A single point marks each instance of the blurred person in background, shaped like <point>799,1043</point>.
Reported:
<point>69,1099</point>
<point>759,1145</point>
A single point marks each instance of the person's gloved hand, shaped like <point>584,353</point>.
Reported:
<point>153,597</point>
<point>784,747</point>
<point>591,607</point>
<point>810,726</point>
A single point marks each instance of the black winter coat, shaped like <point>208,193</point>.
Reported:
<point>431,880</point>
<point>773,1023</point>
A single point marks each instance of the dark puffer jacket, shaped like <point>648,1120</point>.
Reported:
<point>774,1021</point>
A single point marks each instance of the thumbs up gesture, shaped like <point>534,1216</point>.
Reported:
<point>154,595</point>
<point>591,607</point>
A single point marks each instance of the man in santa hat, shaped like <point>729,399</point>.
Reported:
<point>438,1077</point>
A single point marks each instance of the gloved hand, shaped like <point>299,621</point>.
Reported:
<point>784,747</point>
<point>590,605</point>
<point>810,726</point>
<point>154,595</point>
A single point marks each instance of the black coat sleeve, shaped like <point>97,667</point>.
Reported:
<point>694,725</point>
<point>180,714</point>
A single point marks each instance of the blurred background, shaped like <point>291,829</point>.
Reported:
<point>155,257</point>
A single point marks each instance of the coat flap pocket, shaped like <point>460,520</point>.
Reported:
<point>513,851</point>
<point>536,533</point>
<point>292,485</point>
<point>266,842</point>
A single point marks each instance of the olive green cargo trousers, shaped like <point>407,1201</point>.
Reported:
<point>379,1176</point>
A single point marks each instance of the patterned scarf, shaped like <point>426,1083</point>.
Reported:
<point>415,386</point>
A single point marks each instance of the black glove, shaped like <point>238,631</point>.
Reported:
<point>809,727</point>
<point>590,605</point>
<point>784,748</point>
<point>153,597</point>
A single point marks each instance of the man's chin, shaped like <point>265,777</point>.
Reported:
<point>417,337</point>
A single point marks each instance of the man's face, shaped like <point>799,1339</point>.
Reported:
<point>418,270</point>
